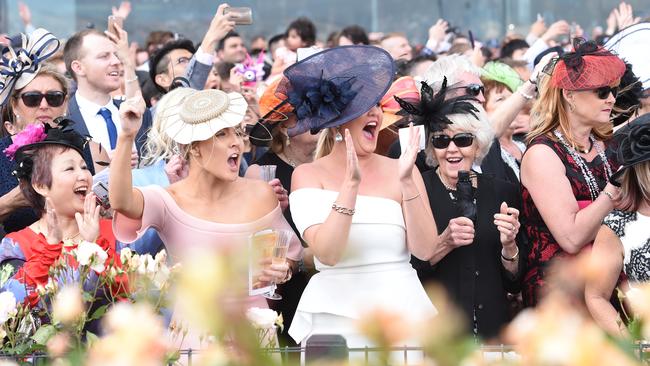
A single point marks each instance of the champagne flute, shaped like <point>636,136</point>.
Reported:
<point>267,172</point>
<point>279,256</point>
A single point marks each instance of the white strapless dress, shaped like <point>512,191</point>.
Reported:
<point>374,271</point>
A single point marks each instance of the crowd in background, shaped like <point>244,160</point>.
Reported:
<point>535,151</point>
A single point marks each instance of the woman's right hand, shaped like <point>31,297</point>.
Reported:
<point>352,172</point>
<point>53,234</point>
<point>131,112</point>
<point>459,232</point>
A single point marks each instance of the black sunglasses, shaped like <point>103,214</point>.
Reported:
<point>464,139</point>
<point>33,99</point>
<point>603,91</point>
<point>474,89</point>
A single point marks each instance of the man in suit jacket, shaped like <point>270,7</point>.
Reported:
<point>90,58</point>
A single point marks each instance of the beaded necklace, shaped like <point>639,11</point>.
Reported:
<point>594,190</point>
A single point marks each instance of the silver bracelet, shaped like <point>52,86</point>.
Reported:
<point>342,210</point>
<point>135,78</point>
<point>514,257</point>
<point>526,96</point>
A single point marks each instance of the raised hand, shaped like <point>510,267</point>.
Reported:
<point>625,16</point>
<point>24,13</point>
<point>88,222</point>
<point>352,172</point>
<point>507,222</point>
<point>123,11</point>
<point>459,232</point>
<point>559,28</point>
<point>54,235</point>
<point>131,111</point>
<point>407,159</point>
<point>219,26</point>
<point>121,41</point>
<point>438,31</point>
<point>176,169</point>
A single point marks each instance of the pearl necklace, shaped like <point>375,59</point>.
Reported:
<point>594,190</point>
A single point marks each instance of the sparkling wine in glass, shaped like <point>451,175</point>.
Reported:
<point>279,256</point>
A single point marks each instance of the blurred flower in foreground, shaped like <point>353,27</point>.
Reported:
<point>68,305</point>
<point>134,336</point>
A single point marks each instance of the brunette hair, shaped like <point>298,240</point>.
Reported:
<point>305,29</point>
<point>635,186</point>
<point>42,157</point>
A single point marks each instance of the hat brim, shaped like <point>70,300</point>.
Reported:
<point>186,133</point>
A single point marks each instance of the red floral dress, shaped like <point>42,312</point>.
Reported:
<point>38,256</point>
<point>544,247</point>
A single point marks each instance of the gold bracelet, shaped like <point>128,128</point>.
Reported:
<point>411,199</point>
<point>342,210</point>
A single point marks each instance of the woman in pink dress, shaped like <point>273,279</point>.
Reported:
<point>212,210</point>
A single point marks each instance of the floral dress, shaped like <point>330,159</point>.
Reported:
<point>544,247</point>
<point>34,256</point>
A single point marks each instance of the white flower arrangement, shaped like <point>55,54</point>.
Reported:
<point>91,255</point>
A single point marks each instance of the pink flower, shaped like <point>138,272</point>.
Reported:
<point>31,134</point>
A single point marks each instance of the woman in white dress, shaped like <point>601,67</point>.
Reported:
<point>361,214</point>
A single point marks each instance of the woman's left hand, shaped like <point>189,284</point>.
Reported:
<point>273,272</point>
<point>88,222</point>
<point>410,154</point>
<point>280,193</point>
<point>507,222</point>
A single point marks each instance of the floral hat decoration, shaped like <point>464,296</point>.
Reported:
<point>589,66</point>
<point>404,88</point>
<point>634,146</point>
<point>434,109</point>
<point>205,113</point>
<point>274,108</point>
<point>19,66</point>
<point>36,135</point>
<point>336,85</point>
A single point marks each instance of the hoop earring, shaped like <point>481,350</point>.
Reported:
<point>338,137</point>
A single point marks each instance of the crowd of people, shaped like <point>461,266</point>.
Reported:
<point>397,165</point>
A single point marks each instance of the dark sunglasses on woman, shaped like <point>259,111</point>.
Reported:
<point>464,139</point>
<point>474,89</point>
<point>603,91</point>
<point>33,99</point>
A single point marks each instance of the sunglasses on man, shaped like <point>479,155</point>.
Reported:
<point>464,139</point>
<point>33,99</point>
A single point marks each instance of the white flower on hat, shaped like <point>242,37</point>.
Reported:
<point>92,255</point>
<point>7,306</point>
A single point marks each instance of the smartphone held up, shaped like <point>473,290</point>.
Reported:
<point>115,20</point>
<point>241,16</point>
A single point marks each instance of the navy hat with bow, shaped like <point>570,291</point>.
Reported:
<point>20,65</point>
<point>336,85</point>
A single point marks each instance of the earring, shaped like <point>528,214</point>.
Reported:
<point>338,137</point>
<point>571,107</point>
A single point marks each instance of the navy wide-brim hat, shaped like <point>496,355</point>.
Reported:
<point>634,145</point>
<point>336,85</point>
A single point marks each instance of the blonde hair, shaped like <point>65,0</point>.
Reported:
<point>159,145</point>
<point>480,127</point>
<point>549,112</point>
<point>450,67</point>
<point>325,143</point>
<point>635,186</point>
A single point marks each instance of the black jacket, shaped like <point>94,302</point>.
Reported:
<point>473,275</point>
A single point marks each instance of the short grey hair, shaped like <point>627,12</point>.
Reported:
<point>450,67</point>
<point>466,122</point>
